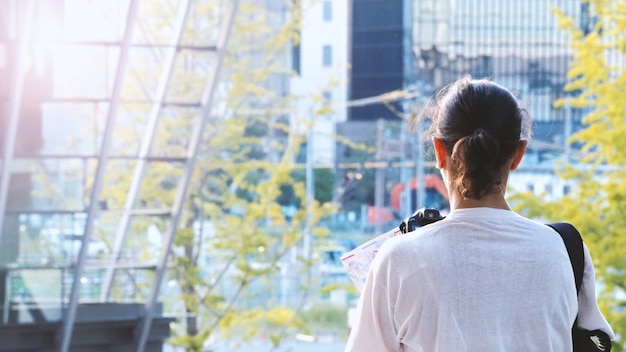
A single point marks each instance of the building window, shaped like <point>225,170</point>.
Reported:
<point>548,189</point>
<point>296,59</point>
<point>328,96</point>
<point>328,10</point>
<point>327,55</point>
<point>566,190</point>
<point>530,187</point>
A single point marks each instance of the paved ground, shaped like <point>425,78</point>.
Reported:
<point>265,346</point>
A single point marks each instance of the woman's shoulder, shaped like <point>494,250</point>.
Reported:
<point>417,240</point>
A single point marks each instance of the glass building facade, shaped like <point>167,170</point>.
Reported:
<point>91,93</point>
<point>377,58</point>
<point>517,44</point>
<point>421,45</point>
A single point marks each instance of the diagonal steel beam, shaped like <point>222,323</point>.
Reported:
<point>17,90</point>
<point>204,115</point>
<point>146,144</point>
<point>70,316</point>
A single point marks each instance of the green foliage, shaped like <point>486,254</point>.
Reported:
<point>324,185</point>
<point>597,206</point>
<point>245,175</point>
<point>327,317</point>
<point>325,181</point>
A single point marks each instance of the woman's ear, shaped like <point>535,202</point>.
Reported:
<point>441,153</point>
<point>519,154</point>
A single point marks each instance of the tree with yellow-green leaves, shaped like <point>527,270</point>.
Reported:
<point>238,266</point>
<point>239,253</point>
<point>597,205</point>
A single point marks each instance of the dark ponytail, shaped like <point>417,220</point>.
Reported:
<point>481,124</point>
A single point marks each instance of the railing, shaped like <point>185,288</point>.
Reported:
<point>35,294</point>
<point>32,294</point>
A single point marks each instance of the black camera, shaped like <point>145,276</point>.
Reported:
<point>420,218</point>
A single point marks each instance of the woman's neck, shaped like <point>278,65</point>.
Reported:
<point>495,200</point>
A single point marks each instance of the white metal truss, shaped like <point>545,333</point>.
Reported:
<point>70,316</point>
<point>24,20</point>
<point>140,168</point>
<point>103,155</point>
<point>204,115</point>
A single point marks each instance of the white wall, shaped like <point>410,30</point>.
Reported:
<point>315,78</point>
<point>546,185</point>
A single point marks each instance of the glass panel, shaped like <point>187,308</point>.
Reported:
<point>47,184</point>
<point>174,132</point>
<point>131,285</point>
<point>129,130</point>
<point>34,295</point>
<point>87,71</point>
<point>190,76</point>
<point>143,74</point>
<point>95,20</point>
<point>72,128</point>
<point>50,239</point>
<point>160,184</point>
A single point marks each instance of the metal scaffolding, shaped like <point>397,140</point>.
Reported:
<point>120,60</point>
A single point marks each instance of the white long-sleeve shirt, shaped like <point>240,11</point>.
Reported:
<point>482,279</point>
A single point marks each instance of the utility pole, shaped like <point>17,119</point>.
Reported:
<point>310,191</point>
<point>379,190</point>
<point>568,131</point>
<point>405,178</point>
<point>419,164</point>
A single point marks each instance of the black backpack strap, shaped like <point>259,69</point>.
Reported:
<point>574,244</point>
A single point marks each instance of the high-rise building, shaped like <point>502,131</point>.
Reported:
<point>321,65</point>
<point>380,60</point>
<point>517,44</point>
<point>421,45</point>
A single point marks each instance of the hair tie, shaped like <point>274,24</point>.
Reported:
<point>479,132</point>
<point>481,137</point>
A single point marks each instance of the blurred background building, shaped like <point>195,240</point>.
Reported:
<point>419,46</point>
